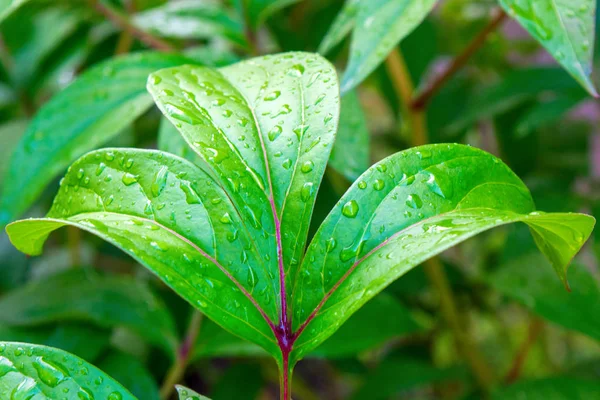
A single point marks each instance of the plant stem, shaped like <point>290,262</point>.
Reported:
<point>126,38</point>
<point>421,100</point>
<point>177,370</point>
<point>285,379</point>
<point>74,244</point>
<point>123,22</point>
<point>536,327</point>
<point>433,267</point>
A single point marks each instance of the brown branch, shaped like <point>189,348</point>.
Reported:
<point>123,22</point>
<point>126,39</point>
<point>421,100</point>
<point>535,328</point>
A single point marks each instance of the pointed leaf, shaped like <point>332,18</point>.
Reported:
<point>380,25</point>
<point>566,28</point>
<point>188,394</point>
<point>30,371</point>
<point>95,108</point>
<point>79,295</point>
<point>350,155</point>
<point>405,209</point>
<point>342,25</point>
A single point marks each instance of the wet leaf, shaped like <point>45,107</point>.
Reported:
<point>565,28</point>
<point>405,209</point>
<point>30,371</point>
<point>380,25</point>
<point>188,394</point>
<point>86,296</point>
<point>95,108</point>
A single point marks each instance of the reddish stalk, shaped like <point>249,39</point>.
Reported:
<point>422,99</point>
<point>535,328</point>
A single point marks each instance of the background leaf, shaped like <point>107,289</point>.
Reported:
<point>101,103</point>
<point>131,373</point>
<point>185,394</point>
<point>555,388</point>
<point>565,29</point>
<point>31,370</point>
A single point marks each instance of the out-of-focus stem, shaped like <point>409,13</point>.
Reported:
<point>177,370</point>
<point>536,326</point>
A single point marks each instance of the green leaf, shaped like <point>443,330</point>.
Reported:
<point>213,341</point>
<point>131,373</point>
<point>37,372</point>
<point>404,210</point>
<point>380,25</point>
<point>528,281</point>
<point>350,155</point>
<point>342,25</point>
<point>399,374</point>
<point>257,12</point>
<point>95,108</point>
<point>545,113</point>
<point>10,133</point>
<point>565,28</point>
<point>555,388</point>
<point>188,394</point>
<point>7,7</point>
<point>85,296</point>
<point>241,381</point>
<point>191,19</point>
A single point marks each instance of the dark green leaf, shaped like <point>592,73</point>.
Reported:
<point>192,19</point>
<point>545,113</point>
<point>188,394</point>
<point>555,388</point>
<point>565,28</point>
<point>241,381</point>
<point>10,134</point>
<point>130,373</point>
<point>405,209</point>
<point>380,25</point>
<point>350,155</point>
<point>529,281</point>
<point>37,372</point>
<point>257,12</point>
<point>79,295</point>
<point>399,374</point>
<point>9,6</point>
<point>96,107</point>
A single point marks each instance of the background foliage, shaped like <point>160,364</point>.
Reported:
<point>72,79</point>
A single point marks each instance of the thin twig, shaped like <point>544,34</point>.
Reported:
<point>184,353</point>
<point>126,38</point>
<point>433,267</point>
<point>536,327</point>
<point>423,98</point>
<point>124,23</point>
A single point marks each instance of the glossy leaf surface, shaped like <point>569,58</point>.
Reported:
<point>37,372</point>
<point>566,28</point>
<point>95,108</point>
<point>350,155</point>
<point>405,209</point>
<point>380,25</point>
<point>85,296</point>
<point>188,394</point>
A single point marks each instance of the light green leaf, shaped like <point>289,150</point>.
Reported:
<point>380,25</point>
<point>404,210</point>
<point>350,155</point>
<point>342,25</point>
<point>131,373</point>
<point>555,388</point>
<point>529,281</point>
<point>192,19</point>
<point>188,394</point>
<point>566,28</point>
<point>86,296</point>
<point>38,372</point>
<point>7,7</point>
<point>95,108</point>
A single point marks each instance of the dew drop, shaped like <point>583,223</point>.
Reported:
<point>307,166</point>
<point>414,201</point>
<point>350,209</point>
